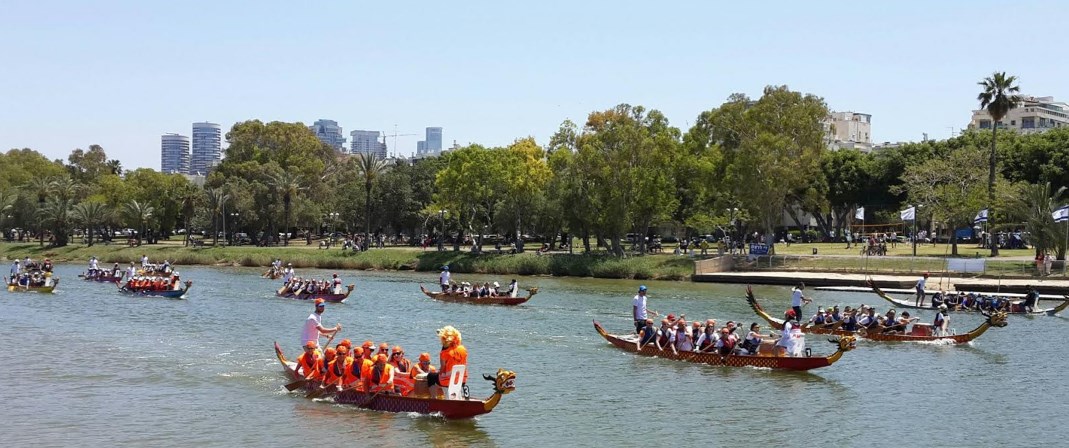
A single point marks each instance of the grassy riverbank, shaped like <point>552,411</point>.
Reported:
<point>664,267</point>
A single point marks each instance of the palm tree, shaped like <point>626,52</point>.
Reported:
<point>138,212</point>
<point>217,198</point>
<point>91,214</point>
<point>188,198</point>
<point>38,188</point>
<point>369,166</point>
<point>999,96</point>
<point>7,202</point>
<point>1035,205</point>
<point>56,214</point>
<point>115,167</point>
<point>288,185</point>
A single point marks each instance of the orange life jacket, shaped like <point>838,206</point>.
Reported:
<point>335,370</point>
<point>348,377</point>
<point>381,378</point>
<point>452,356</point>
<point>402,366</point>
<point>310,365</point>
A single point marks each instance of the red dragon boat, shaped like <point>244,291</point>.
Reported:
<point>765,359</point>
<point>329,297</point>
<point>461,298</point>
<point>166,293</point>
<point>920,333</point>
<point>504,383</point>
<point>1015,307</point>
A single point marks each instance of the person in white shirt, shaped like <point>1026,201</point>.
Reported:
<point>144,261</point>
<point>684,341</point>
<point>313,326</point>
<point>443,278</point>
<point>514,289</point>
<point>337,284</point>
<point>638,308</point>
<point>941,324</point>
<point>131,271</point>
<point>920,289</point>
<point>287,273</point>
<point>785,345</point>
<point>797,299</point>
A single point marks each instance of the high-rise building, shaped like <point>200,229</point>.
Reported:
<point>1034,114</point>
<point>174,154</point>
<point>207,147</point>
<point>421,148</point>
<point>434,141</point>
<point>330,133</point>
<point>367,142</point>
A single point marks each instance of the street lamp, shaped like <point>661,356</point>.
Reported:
<point>441,234</point>
<point>234,219</point>
<point>333,217</point>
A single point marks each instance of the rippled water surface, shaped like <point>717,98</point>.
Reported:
<point>90,367</point>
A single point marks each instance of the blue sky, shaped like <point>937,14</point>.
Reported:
<point>119,74</point>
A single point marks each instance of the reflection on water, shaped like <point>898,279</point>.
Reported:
<point>140,371</point>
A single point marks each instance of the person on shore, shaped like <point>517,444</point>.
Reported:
<point>797,299</point>
<point>443,278</point>
<point>638,308</point>
<point>313,326</point>
<point>920,289</point>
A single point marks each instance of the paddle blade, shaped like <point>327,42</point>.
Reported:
<point>296,385</point>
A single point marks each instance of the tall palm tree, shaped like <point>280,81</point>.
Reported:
<point>7,203</point>
<point>1035,205</point>
<point>115,167</point>
<point>38,188</point>
<point>91,214</point>
<point>289,185</point>
<point>138,212</point>
<point>369,166</point>
<point>56,215</point>
<point>217,199</point>
<point>188,197</point>
<point>999,96</point>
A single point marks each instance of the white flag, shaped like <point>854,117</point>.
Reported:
<point>1061,214</point>
<point>908,214</point>
<point>980,217</point>
<point>860,213</point>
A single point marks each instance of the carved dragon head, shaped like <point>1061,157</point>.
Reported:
<point>846,343</point>
<point>997,319</point>
<point>505,381</point>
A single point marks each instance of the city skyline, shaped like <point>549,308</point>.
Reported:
<point>492,82</point>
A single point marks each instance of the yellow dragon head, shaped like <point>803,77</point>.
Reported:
<point>997,319</point>
<point>846,343</point>
<point>505,381</point>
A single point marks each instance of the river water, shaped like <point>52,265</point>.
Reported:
<point>91,367</point>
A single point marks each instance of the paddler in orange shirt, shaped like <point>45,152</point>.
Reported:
<point>381,377</point>
<point>310,362</point>
<point>453,354</point>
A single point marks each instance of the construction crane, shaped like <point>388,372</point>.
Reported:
<point>394,135</point>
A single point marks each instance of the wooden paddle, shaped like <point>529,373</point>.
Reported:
<point>301,382</point>
<point>367,404</point>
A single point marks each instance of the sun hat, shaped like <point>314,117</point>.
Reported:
<point>642,288</point>
<point>424,356</point>
<point>310,344</point>
<point>320,302</point>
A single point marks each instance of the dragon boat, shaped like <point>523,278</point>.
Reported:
<point>458,297</point>
<point>103,276</point>
<point>327,296</point>
<point>167,293</point>
<point>765,358</point>
<point>38,289</point>
<point>1015,307</point>
<point>272,274</point>
<point>451,409</point>
<point>920,333</point>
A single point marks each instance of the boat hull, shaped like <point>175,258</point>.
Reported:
<point>37,289</point>
<point>769,361</point>
<point>332,298</point>
<point>104,279</point>
<point>449,409</point>
<point>1015,308</point>
<point>460,298</point>
<point>169,294</point>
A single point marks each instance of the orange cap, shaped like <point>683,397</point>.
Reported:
<point>397,349</point>
<point>342,350</point>
<point>346,343</point>
<point>320,302</point>
<point>380,358</point>
<point>424,356</point>
<point>358,351</point>
<point>368,344</point>
<point>330,353</point>
<point>384,346</point>
<point>310,344</point>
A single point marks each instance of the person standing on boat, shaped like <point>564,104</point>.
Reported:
<point>787,344</point>
<point>453,354</point>
<point>638,308</point>
<point>313,326</point>
<point>514,289</point>
<point>336,284</point>
<point>443,278</point>
<point>941,324</point>
<point>287,273</point>
<point>797,299</point>
<point>144,261</point>
<point>16,267</point>
<point>131,271</point>
<point>920,290</point>
<point>1030,299</point>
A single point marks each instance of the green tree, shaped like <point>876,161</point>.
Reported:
<point>1035,205</point>
<point>370,167</point>
<point>288,185</point>
<point>56,216</point>
<point>86,166</point>
<point>92,215</point>
<point>217,199</point>
<point>38,188</point>
<point>468,187</point>
<point>999,96</point>
<point>523,177</point>
<point>138,213</point>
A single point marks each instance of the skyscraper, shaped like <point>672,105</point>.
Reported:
<point>421,148</point>
<point>174,154</point>
<point>330,133</point>
<point>434,141</point>
<point>367,142</point>
<point>207,146</point>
